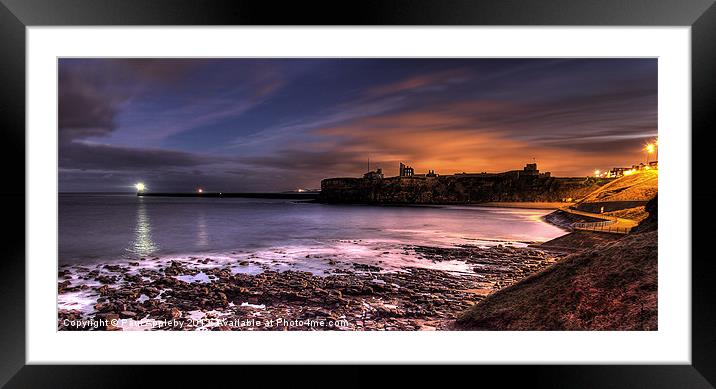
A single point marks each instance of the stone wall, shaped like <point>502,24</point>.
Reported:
<point>457,189</point>
<point>609,206</point>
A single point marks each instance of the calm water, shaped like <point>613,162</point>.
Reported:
<point>103,228</point>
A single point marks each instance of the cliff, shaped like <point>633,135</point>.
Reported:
<point>512,186</point>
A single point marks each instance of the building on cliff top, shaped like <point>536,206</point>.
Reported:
<point>374,175</point>
<point>530,170</point>
<point>406,171</point>
<point>625,171</point>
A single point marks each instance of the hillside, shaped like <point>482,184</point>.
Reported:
<point>636,213</point>
<point>612,286</point>
<point>640,186</point>
<point>578,240</point>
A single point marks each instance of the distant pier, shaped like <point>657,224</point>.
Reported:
<point>290,196</point>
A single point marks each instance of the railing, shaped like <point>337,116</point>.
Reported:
<point>606,224</point>
<point>603,226</point>
<point>593,224</point>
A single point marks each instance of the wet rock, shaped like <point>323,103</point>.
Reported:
<point>103,290</point>
<point>133,278</point>
<point>104,279</point>
<point>150,291</point>
<point>364,267</point>
<point>62,286</point>
<point>173,313</point>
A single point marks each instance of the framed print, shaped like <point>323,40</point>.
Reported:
<point>408,183</point>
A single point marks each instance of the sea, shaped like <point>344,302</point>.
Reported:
<point>284,234</point>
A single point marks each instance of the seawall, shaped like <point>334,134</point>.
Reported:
<point>565,219</point>
<point>610,206</point>
<point>295,196</point>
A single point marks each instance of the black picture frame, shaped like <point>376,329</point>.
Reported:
<point>15,15</point>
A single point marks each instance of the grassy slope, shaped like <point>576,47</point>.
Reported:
<point>612,286</point>
<point>579,240</point>
<point>642,185</point>
<point>637,213</point>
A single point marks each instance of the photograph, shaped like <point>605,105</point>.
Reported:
<point>399,183</point>
<point>357,194</point>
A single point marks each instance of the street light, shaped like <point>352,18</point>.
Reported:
<point>140,186</point>
<point>649,148</point>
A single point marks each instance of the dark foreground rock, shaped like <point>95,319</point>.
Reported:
<point>612,286</point>
<point>579,240</point>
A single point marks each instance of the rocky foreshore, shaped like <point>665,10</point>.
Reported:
<point>209,294</point>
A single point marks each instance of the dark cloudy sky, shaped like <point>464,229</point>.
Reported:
<point>281,124</point>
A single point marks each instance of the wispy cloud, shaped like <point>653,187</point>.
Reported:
<point>302,127</point>
<point>436,81</point>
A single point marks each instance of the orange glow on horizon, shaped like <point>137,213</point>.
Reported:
<point>449,144</point>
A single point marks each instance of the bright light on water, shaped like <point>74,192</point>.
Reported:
<point>142,243</point>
